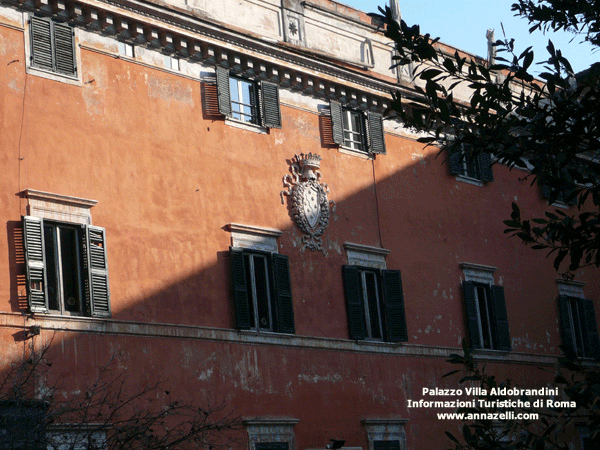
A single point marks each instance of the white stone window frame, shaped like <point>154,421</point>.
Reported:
<point>385,430</point>
<point>253,237</point>
<point>478,273</point>
<point>76,436</point>
<point>570,288</point>
<point>266,430</point>
<point>366,255</point>
<point>77,80</point>
<point>58,207</point>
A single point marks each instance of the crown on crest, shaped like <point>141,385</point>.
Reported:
<point>311,160</point>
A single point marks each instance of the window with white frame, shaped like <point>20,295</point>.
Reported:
<point>65,256</point>
<point>248,101</point>
<point>262,294</point>
<point>374,297</point>
<point>52,46</point>
<point>385,434</point>
<point>466,165</point>
<point>579,330</point>
<point>271,434</point>
<point>357,130</point>
<point>485,308</point>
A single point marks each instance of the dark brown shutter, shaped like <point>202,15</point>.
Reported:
<point>376,136</point>
<point>485,164</point>
<point>41,43</point>
<point>283,293</point>
<point>222,75</point>
<point>566,330</point>
<point>64,49</point>
<point>393,297</point>
<point>471,314</point>
<point>35,260</point>
<point>239,289</point>
<point>591,328</point>
<point>501,326</point>
<point>271,111</point>
<point>354,303</point>
<point>455,162</point>
<point>337,124</point>
<point>97,289</point>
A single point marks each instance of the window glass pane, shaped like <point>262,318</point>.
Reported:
<point>248,263</point>
<point>51,269</point>
<point>70,269</point>
<point>577,321</point>
<point>262,292</point>
<point>484,316</point>
<point>373,304</point>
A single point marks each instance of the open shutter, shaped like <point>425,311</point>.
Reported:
<point>471,313</point>
<point>97,291</point>
<point>283,293</point>
<point>455,162</point>
<point>337,125</point>
<point>393,297</point>
<point>64,49</point>
<point>354,303</point>
<point>566,327</point>
<point>591,329</point>
<point>41,43</point>
<point>271,112</point>
<point>223,90</point>
<point>35,260</point>
<point>376,137</point>
<point>240,291</point>
<point>501,326</point>
<point>485,164</point>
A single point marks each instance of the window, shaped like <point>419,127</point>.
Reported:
<point>375,304</point>
<point>485,307</point>
<point>262,291</point>
<point>22,424</point>
<point>357,130</point>
<point>126,49</point>
<point>471,167</point>
<point>579,330</point>
<point>52,46</point>
<point>385,434</point>
<point>66,268</point>
<point>247,100</point>
<point>271,434</point>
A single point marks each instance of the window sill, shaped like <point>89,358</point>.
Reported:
<point>469,180</point>
<point>76,81</point>
<point>246,126</point>
<point>353,152</point>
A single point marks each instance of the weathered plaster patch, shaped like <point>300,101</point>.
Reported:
<point>169,90</point>
<point>428,329</point>
<point>331,378</point>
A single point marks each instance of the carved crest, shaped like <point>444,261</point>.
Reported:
<point>309,202</point>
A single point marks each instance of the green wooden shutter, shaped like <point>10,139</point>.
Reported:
<point>501,325</point>
<point>376,136</point>
<point>271,111</point>
<point>485,165</point>
<point>240,291</point>
<point>64,49</point>
<point>283,294</point>
<point>566,330</point>
<point>35,260</point>
<point>97,290</point>
<point>222,75</point>
<point>471,314</point>
<point>354,303</point>
<point>455,162</point>
<point>41,43</point>
<point>337,125</point>
<point>393,297</point>
<point>591,328</point>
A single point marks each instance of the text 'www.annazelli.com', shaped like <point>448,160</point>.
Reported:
<point>508,415</point>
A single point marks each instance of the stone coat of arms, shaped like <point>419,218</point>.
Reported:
<point>310,206</point>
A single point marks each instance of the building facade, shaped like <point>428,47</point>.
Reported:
<point>209,191</point>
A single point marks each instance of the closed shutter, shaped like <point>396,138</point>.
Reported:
<point>35,260</point>
<point>337,124</point>
<point>501,328</point>
<point>64,49</point>
<point>566,327</point>
<point>97,289</point>
<point>223,91</point>
<point>271,111</point>
<point>471,314</point>
<point>393,297</point>
<point>41,43</point>
<point>240,291</point>
<point>376,137</point>
<point>283,293</point>
<point>485,164</point>
<point>455,162</point>
<point>354,303</point>
<point>591,329</point>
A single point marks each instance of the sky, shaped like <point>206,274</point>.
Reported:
<point>463,24</point>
